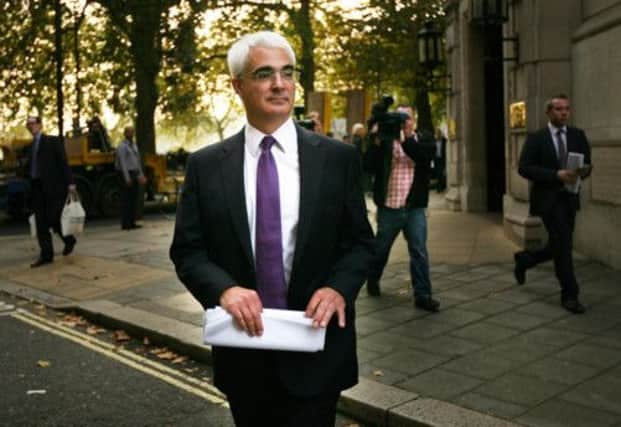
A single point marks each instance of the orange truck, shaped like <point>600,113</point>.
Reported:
<point>94,174</point>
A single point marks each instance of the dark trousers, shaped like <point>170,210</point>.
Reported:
<point>129,196</point>
<point>263,401</point>
<point>440,169</point>
<point>559,223</point>
<point>42,218</point>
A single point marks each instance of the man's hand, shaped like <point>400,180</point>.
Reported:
<point>323,304</point>
<point>128,182</point>
<point>142,180</point>
<point>72,188</point>
<point>567,176</point>
<point>245,306</point>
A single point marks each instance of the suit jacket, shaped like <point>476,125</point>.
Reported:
<point>539,163</point>
<point>378,162</point>
<point>211,251</point>
<point>54,173</point>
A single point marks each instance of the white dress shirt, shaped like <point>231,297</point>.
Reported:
<point>285,152</point>
<point>553,131</point>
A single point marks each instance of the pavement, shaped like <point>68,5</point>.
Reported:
<point>497,354</point>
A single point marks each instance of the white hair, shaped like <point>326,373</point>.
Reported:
<point>356,127</point>
<point>237,57</point>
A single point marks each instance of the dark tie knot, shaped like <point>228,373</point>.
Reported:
<point>267,142</point>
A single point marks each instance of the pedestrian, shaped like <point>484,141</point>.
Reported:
<point>97,135</point>
<point>50,182</point>
<point>439,161</point>
<point>129,167</point>
<point>273,217</point>
<point>543,161</point>
<point>401,171</point>
<point>316,118</point>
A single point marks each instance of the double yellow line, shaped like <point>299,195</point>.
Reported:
<point>171,376</point>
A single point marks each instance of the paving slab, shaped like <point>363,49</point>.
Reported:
<point>560,413</point>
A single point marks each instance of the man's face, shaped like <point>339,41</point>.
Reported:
<point>33,126</point>
<point>129,133</point>
<point>558,113</point>
<point>267,86</point>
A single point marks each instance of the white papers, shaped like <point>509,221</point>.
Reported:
<point>282,330</point>
<point>574,162</point>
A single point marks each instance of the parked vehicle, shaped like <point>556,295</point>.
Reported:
<point>93,170</point>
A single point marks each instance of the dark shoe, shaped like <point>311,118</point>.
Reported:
<point>41,261</point>
<point>427,303</point>
<point>520,269</point>
<point>573,305</point>
<point>373,289</point>
<point>136,226</point>
<point>69,246</point>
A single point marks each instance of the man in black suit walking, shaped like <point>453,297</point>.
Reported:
<point>544,162</point>
<point>274,217</point>
<point>50,179</point>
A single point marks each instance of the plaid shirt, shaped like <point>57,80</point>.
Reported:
<point>401,177</point>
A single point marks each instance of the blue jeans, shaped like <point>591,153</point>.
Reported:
<point>413,223</point>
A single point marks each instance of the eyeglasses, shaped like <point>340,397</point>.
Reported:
<point>262,74</point>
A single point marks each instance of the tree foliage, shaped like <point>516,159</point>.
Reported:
<point>166,58</point>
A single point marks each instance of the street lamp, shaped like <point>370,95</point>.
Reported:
<point>431,55</point>
<point>489,12</point>
<point>429,46</point>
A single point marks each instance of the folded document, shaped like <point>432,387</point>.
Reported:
<point>282,330</point>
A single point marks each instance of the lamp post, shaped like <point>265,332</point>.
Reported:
<point>430,55</point>
<point>489,12</point>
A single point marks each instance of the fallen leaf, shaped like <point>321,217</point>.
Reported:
<point>190,370</point>
<point>94,330</point>
<point>44,363</point>
<point>168,355</point>
<point>159,350</point>
<point>120,335</point>
<point>180,359</point>
<point>72,321</point>
<point>146,341</point>
<point>403,291</point>
<point>29,392</point>
<point>378,373</point>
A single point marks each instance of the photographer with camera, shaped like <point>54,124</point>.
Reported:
<point>400,162</point>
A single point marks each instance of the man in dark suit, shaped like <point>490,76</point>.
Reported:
<point>543,161</point>
<point>274,217</point>
<point>439,161</point>
<point>50,180</point>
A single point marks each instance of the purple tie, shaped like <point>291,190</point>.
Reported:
<point>268,237</point>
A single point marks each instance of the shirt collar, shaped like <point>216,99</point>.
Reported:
<point>555,129</point>
<point>284,136</point>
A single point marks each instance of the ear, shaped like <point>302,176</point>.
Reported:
<point>236,83</point>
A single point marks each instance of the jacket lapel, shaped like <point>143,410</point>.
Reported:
<point>550,147</point>
<point>311,158</point>
<point>232,170</point>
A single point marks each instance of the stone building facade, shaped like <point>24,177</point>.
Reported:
<point>501,77</point>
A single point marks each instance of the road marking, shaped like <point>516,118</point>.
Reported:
<point>185,382</point>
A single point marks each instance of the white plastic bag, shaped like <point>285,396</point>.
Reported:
<point>73,215</point>
<point>33,225</point>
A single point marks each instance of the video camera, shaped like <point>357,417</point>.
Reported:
<point>298,112</point>
<point>389,124</point>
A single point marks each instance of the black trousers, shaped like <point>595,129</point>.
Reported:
<point>559,223</point>
<point>42,217</point>
<point>264,401</point>
<point>129,197</point>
